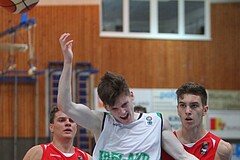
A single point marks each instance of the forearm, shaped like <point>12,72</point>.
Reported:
<point>80,113</point>
<point>64,99</point>
<point>174,148</point>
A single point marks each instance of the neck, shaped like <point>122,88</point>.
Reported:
<point>191,136</point>
<point>65,146</point>
<point>136,116</point>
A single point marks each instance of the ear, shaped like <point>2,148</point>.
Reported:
<point>106,107</point>
<point>205,110</point>
<point>178,111</point>
<point>132,95</point>
<point>51,128</point>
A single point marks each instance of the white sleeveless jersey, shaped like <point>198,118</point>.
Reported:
<point>139,140</point>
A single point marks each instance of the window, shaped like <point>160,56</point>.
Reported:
<point>194,17</point>
<point>168,16</point>
<point>112,15</point>
<point>139,23</point>
<point>157,19</point>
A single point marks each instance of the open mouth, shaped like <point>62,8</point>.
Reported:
<point>188,119</point>
<point>125,117</point>
<point>68,130</point>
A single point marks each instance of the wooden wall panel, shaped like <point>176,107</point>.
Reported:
<point>25,109</point>
<point>6,110</point>
<point>145,63</point>
<point>225,46</point>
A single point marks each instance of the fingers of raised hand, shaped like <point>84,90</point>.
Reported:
<point>63,37</point>
<point>69,44</point>
<point>63,41</point>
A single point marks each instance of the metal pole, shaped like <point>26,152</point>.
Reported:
<point>36,110</point>
<point>15,115</point>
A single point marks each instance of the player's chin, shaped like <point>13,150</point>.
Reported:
<point>68,133</point>
<point>69,136</point>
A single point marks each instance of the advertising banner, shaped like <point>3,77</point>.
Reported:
<point>224,123</point>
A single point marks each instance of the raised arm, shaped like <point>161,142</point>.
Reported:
<point>172,145</point>
<point>80,113</point>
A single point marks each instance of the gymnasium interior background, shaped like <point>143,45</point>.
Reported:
<point>149,65</point>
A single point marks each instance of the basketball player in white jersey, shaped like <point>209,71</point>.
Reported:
<point>120,133</point>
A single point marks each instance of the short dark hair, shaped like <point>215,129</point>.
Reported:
<point>111,86</point>
<point>192,88</point>
<point>53,111</point>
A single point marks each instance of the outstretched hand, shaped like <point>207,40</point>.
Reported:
<point>66,47</point>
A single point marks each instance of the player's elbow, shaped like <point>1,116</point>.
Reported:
<point>62,104</point>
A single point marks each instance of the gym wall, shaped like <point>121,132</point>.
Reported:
<point>145,63</point>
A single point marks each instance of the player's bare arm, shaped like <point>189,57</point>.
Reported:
<point>172,145</point>
<point>80,113</point>
<point>224,151</point>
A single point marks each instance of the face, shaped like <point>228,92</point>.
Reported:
<point>122,110</point>
<point>63,126</point>
<point>191,110</point>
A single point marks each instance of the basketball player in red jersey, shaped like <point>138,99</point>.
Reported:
<point>63,130</point>
<point>192,106</point>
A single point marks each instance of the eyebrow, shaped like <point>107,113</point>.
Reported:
<point>61,117</point>
<point>125,103</point>
<point>180,102</point>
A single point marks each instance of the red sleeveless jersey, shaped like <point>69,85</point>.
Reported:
<point>203,149</point>
<point>51,152</point>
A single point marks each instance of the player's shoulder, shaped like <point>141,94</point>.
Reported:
<point>34,153</point>
<point>79,150</point>
<point>37,148</point>
<point>83,154</point>
<point>156,114</point>
<point>226,146</point>
<point>224,150</point>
